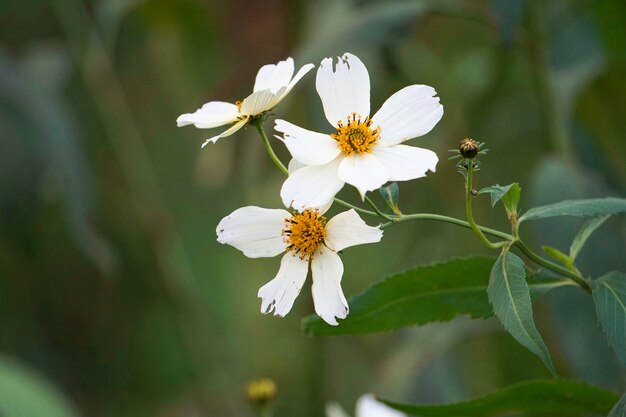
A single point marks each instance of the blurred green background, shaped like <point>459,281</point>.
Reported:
<point>116,299</point>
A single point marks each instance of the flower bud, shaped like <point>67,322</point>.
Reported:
<point>261,393</point>
<point>468,148</point>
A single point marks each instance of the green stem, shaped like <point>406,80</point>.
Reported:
<point>470,216</point>
<point>264,411</point>
<point>356,208</point>
<point>258,123</point>
<point>496,233</point>
<point>582,282</point>
<point>445,219</point>
<point>470,224</point>
<point>378,211</point>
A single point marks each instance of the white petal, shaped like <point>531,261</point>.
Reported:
<point>330,303</point>
<point>348,229</point>
<point>313,186</point>
<point>406,162</point>
<point>310,148</point>
<point>212,114</point>
<point>257,102</point>
<point>254,230</point>
<point>301,73</point>
<point>364,172</point>
<point>335,410</point>
<point>241,123</point>
<point>409,113</point>
<point>367,406</point>
<point>274,76</point>
<point>280,293</point>
<point>294,165</point>
<point>345,90</point>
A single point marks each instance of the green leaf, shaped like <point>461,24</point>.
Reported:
<point>620,408</point>
<point>509,194</point>
<point>557,255</point>
<point>552,397</point>
<point>510,296</point>
<point>426,294</point>
<point>390,194</point>
<point>583,234</point>
<point>578,208</point>
<point>24,392</point>
<point>496,192</point>
<point>609,296</point>
<point>511,199</point>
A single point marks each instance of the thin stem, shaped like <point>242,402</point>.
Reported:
<point>445,219</point>
<point>507,237</point>
<point>378,211</point>
<point>258,123</point>
<point>550,265</point>
<point>470,216</point>
<point>264,411</point>
<point>470,224</point>
<point>356,208</point>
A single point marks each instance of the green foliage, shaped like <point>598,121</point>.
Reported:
<point>557,255</point>
<point>609,296</point>
<point>568,260</point>
<point>583,234</point>
<point>509,194</point>
<point>426,294</point>
<point>620,408</point>
<point>578,208</point>
<point>496,192</point>
<point>557,397</point>
<point>511,199</point>
<point>26,393</point>
<point>77,193</point>
<point>390,194</point>
<point>510,296</point>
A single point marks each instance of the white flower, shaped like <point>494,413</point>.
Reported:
<point>364,152</point>
<point>273,83</point>
<point>366,406</point>
<point>305,238</point>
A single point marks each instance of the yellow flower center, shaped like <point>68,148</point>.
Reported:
<point>356,136</point>
<point>304,232</point>
<point>261,392</point>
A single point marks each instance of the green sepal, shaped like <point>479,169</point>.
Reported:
<point>390,194</point>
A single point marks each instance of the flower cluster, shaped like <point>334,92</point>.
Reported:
<point>361,150</point>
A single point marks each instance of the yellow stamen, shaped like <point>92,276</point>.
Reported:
<point>304,232</point>
<point>238,103</point>
<point>357,136</point>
